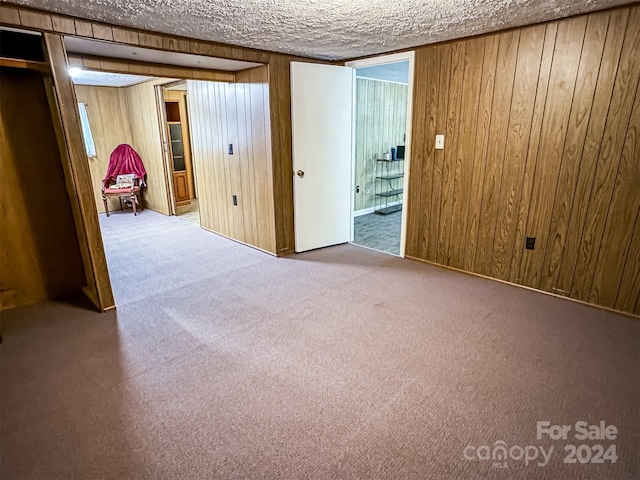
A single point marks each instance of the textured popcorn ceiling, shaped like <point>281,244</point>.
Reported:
<point>328,29</point>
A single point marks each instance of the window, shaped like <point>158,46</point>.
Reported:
<point>89,145</point>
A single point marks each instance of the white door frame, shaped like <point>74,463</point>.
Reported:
<point>368,62</point>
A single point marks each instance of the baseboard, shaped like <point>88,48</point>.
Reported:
<point>367,211</point>
<point>364,211</point>
<point>479,275</point>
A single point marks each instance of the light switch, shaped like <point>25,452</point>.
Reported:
<point>439,142</point>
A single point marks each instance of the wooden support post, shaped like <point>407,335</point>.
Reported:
<point>67,122</point>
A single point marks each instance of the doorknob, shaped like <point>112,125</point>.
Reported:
<point>300,173</point>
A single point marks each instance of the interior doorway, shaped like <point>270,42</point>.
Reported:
<point>324,150</point>
<point>175,134</point>
<point>382,122</point>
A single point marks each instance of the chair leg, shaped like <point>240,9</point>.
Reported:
<point>106,205</point>
<point>133,204</point>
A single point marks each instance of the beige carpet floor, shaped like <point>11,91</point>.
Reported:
<point>222,362</point>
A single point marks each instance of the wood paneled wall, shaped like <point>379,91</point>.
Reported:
<point>238,114</point>
<point>541,128</point>
<point>127,115</point>
<point>279,88</point>
<point>39,252</point>
<point>74,163</point>
<point>381,115</point>
<point>145,129</point>
<point>281,142</point>
<point>110,126</point>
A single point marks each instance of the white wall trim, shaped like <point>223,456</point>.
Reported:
<point>367,211</point>
<point>394,58</point>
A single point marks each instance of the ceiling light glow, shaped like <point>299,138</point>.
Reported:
<point>75,71</point>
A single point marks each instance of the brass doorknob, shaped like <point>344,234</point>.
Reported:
<point>300,173</point>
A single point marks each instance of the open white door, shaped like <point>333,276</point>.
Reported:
<point>321,106</point>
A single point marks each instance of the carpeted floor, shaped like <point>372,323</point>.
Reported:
<point>380,232</point>
<point>222,362</point>
<point>190,213</point>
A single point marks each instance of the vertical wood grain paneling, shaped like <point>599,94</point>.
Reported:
<point>221,114</point>
<point>621,219</point>
<point>542,88</point>
<point>145,128</point>
<point>63,104</point>
<point>591,147</point>
<point>555,120</point>
<point>245,164</point>
<point>630,283</point>
<point>609,157</point>
<point>418,166</point>
<point>40,256</point>
<point>258,137</point>
<point>487,82</point>
<point>226,135</point>
<point>232,163</point>
<point>452,129</point>
<point>464,157</point>
<point>552,153</point>
<point>518,130</point>
<point>282,165</point>
<point>380,124</point>
<point>110,126</point>
<point>498,128</point>
<point>432,222</point>
<point>584,95</point>
<point>278,132</point>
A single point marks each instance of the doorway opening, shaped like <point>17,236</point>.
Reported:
<point>176,141</point>
<point>382,90</point>
<point>180,127</point>
<point>325,146</point>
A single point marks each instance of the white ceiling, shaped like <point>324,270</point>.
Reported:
<point>107,49</point>
<point>106,79</point>
<point>329,29</point>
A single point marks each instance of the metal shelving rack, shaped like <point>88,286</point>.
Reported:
<point>389,186</point>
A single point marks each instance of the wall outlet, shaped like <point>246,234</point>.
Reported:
<point>357,188</point>
<point>235,200</point>
<point>530,243</point>
<point>231,149</point>
<point>439,142</point>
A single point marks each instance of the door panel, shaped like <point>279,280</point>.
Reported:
<point>181,187</point>
<point>321,105</point>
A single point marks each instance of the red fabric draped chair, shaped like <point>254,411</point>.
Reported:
<point>125,178</point>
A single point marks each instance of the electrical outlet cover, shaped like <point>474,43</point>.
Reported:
<point>439,142</point>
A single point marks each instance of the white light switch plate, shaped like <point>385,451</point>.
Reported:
<point>439,142</point>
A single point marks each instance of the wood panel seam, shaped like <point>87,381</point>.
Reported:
<point>564,144</point>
